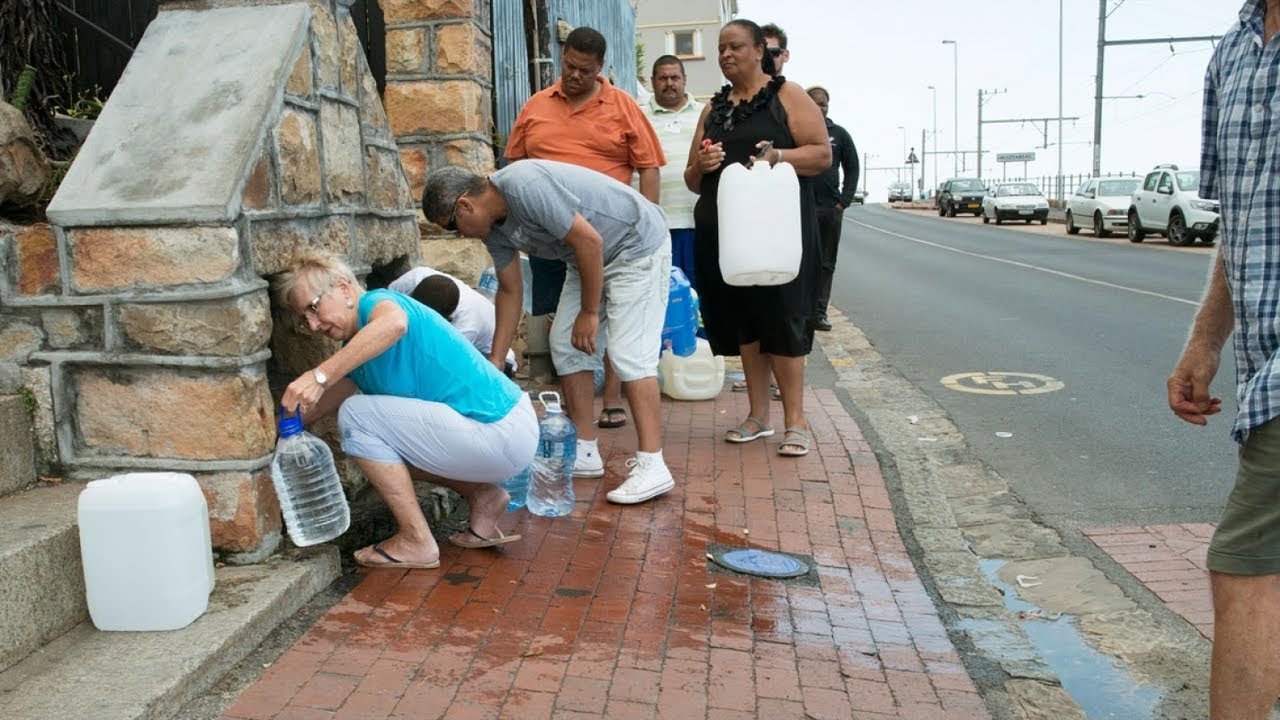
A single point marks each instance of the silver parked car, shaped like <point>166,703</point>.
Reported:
<point>1015,201</point>
<point>1101,205</point>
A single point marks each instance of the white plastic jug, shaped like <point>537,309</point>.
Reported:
<point>699,376</point>
<point>759,212</point>
<point>146,549</point>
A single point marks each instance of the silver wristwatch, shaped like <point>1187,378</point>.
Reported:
<point>320,377</point>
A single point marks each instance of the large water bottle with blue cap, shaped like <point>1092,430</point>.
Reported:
<point>679,330</point>
<point>315,508</point>
<point>551,481</point>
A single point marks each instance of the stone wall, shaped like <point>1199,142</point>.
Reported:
<point>439,102</point>
<point>140,318</point>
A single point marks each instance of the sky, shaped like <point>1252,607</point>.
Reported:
<point>877,58</point>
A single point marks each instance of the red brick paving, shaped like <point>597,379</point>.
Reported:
<point>612,611</point>
<point>1170,561</point>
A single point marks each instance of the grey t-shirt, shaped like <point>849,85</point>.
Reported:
<point>543,196</point>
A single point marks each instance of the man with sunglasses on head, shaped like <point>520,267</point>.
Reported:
<point>618,256</point>
<point>583,119</point>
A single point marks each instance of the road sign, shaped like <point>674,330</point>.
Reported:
<point>1015,157</point>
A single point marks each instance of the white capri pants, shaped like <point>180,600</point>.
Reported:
<point>435,438</point>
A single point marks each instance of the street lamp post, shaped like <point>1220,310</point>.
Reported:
<point>934,90</point>
<point>904,151</point>
<point>955,112</point>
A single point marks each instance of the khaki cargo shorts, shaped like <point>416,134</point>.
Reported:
<point>1247,541</point>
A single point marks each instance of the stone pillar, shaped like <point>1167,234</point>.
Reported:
<point>439,99</point>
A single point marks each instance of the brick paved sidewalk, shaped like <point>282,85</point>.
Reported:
<point>613,612</point>
<point>1170,561</point>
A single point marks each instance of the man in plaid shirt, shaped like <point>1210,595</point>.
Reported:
<point>1240,165</point>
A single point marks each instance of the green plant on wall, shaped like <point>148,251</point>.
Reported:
<point>28,400</point>
<point>640,60</point>
<point>83,104</point>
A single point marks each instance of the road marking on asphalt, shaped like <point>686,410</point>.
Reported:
<point>1029,266</point>
<point>1002,383</point>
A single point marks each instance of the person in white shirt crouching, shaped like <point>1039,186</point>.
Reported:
<point>470,313</point>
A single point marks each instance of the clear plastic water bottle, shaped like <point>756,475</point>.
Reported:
<point>517,486</point>
<point>488,285</point>
<point>551,482</point>
<point>311,498</point>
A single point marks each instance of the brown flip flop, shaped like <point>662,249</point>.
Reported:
<point>461,540</point>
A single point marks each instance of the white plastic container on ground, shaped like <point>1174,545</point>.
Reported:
<point>146,549</point>
<point>697,377</point>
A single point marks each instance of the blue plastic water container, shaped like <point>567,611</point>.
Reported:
<point>679,330</point>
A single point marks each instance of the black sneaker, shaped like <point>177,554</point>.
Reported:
<point>822,323</point>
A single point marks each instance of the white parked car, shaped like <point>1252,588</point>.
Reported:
<point>1168,203</point>
<point>1101,205</point>
<point>1015,201</point>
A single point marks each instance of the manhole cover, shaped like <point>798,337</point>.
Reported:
<point>761,562</point>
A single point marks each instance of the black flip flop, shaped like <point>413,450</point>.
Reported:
<point>609,413</point>
<point>392,562</point>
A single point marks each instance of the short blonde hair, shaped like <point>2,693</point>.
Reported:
<point>321,271</point>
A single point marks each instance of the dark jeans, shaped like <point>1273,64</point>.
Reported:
<point>829,222</point>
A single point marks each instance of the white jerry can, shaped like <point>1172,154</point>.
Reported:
<point>700,376</point>
<point>759,213</point>
<point>145,544</point>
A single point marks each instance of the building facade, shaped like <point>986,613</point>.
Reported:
<point>688,29</point>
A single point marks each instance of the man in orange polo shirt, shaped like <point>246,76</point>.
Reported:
<point>583,119</point>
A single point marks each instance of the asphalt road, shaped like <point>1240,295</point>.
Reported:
<point>1104,318</point>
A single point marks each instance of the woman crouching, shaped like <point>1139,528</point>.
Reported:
<point>429,407</point>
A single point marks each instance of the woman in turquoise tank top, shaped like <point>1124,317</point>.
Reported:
<point>415,401</point>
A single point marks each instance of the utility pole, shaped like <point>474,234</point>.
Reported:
<point>1103,42</point>
<point>981,92</point>
<point>1097,89</point>
<point>1059,181</point>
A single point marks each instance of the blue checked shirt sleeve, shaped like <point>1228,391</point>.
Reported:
<point>1209,134</point>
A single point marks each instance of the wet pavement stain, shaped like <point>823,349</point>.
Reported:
<point>1101,686</point>
<point>460,578</point>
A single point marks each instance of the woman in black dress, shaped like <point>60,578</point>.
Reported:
<point>771,327</point>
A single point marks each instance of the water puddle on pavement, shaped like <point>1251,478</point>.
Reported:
<point>1102,688</point>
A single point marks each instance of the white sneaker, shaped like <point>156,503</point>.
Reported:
<point>645,481</point>
<point>588,465</point>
